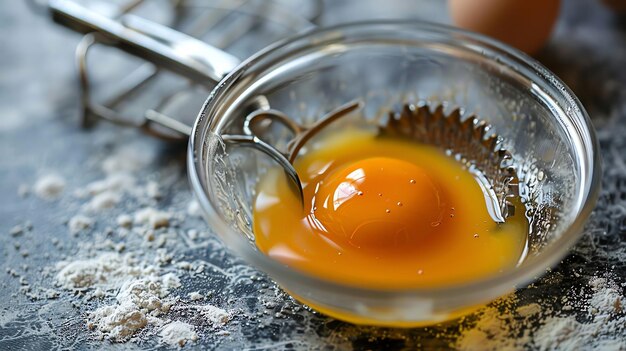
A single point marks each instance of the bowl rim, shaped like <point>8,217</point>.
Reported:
<point>498,284</point>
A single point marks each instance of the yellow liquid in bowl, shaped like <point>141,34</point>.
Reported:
<point>384,213</point>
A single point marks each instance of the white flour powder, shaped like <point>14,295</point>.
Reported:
<point>178,334</point>
<point>195,296</point>
<point>136,278</point>
<point>516,328</point>
<point>106,271</point>
<point>153,218</point>
<point>49,186</point>
<point>103,201</point>
<point>605,322</point>
<point>79,223</point>
<point>139,302</point>
<point>215,315</point>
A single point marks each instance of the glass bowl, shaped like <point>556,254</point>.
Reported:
<point>385,64</point>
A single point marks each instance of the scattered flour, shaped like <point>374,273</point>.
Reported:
<point>193,209</point>
<point>49,186</point>
<point>559,333</point>
<point>606,298</point>
<point>143,300</point>
<point>529,310</point>
<point>139,303</point>
<point>135,288</point>
<point>108,270</point>
<point>195,296</point>
<point>184,265</point>
<point>16,230</point>
<point>79,223</point>
<point>116,182</point>
<point>103,201</point>
<point>153,218</point>
<point>492,331</point>
<point>530,325</point>
<point>119,181</point>
<point>178,334</point>
<point>124,221</point>
<point>128,159</point>
<point>20,229</point>
<point>213,314</point>
<point>170,281</point>
<point>192,234</point>
<point>152,190</point>
<point>599,332</point>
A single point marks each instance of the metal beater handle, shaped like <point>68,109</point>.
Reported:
<point>163,48</point>
<point>161,45</point>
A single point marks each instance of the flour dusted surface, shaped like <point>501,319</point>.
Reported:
<point>79,223</point>
<point>49,186</point>
<point>503,326</point>
<point>129,275</point>
<point>178,334</point>
<point>108,270</point>
<point>139,302</point>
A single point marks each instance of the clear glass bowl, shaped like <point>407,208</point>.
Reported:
<point>386,64</point>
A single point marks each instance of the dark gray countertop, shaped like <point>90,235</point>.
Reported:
<point>39,134</point>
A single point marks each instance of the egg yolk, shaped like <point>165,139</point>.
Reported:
<point>379,202</point>
<point>384,213</point>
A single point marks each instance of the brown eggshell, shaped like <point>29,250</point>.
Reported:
<point>524,24</point>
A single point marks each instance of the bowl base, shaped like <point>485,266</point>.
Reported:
<point>373,321</point>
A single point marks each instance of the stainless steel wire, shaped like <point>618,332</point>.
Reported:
<point>164,48</point>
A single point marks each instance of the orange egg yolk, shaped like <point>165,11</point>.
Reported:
<point>379,202</point>
<point>384,213</point>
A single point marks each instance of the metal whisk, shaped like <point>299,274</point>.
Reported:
<point>165,49</point>
<point>468,140</point>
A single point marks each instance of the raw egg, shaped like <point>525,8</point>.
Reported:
<point>524,24</point>
<point>359,207</point>
<point>386,213</point>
